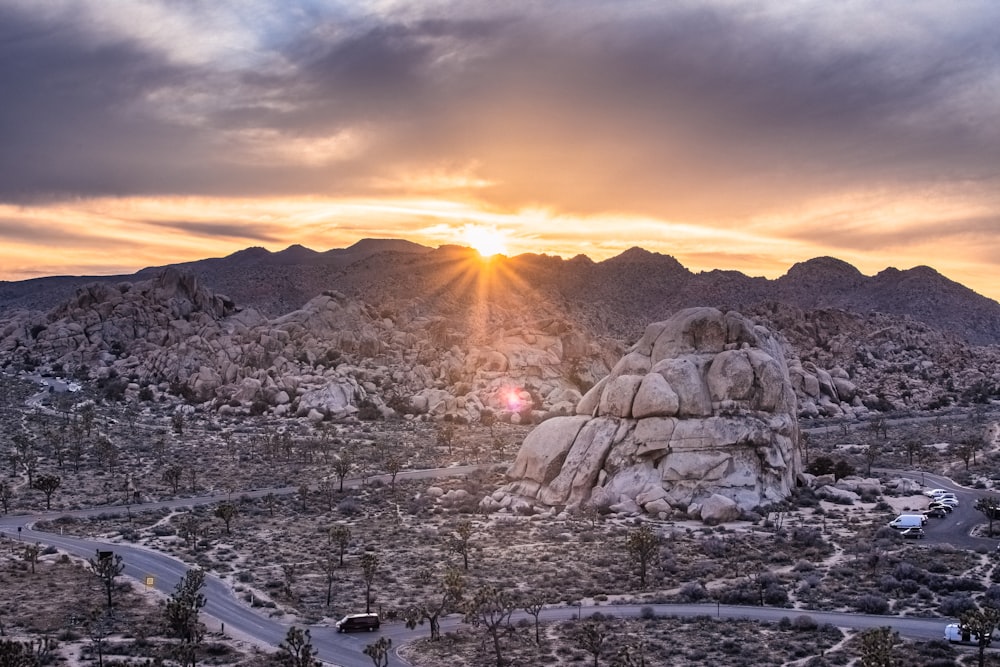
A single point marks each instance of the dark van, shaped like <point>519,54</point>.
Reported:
<point>353,622</point>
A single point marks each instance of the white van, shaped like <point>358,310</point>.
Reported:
<point>908,521</point>
<point>954,633</point>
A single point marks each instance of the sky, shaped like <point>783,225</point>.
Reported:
<point>731,135</point>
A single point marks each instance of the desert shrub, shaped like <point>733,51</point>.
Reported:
<point>647,613</point>
<point>871,603</point>
<point>693,591</point>
<point>887,533</point>
<point>991,597</point>
<point>804,623</point>
<point>842,469</point>
<point>803,565</point>
<point>742,593</point>
<point>821,465</point>
<point>349,506</point>
<point>906,570</point>
<point>775,594</point>
<point>807,537</point>
<point>888,583</point>
<point>965,584</point>
<point>956,605</point>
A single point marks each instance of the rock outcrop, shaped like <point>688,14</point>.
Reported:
<point>325,360</point>
<point>699,413</point>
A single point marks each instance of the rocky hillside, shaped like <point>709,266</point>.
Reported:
<point>389,326</point>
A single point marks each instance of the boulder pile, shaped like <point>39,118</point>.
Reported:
<point>698,417</point>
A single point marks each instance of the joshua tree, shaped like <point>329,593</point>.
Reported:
<point>459,542</point>
<point>491,608</point>
<point>990,507</point>
<point>446,436</point>
<point>182,615</point>
<point>393,464</point>
<point>912,446</point>
<point>379,651</point>
<point>452,589</point>
<point>48,484</point>
<point>106,566</point>
<point>533,603</point>
<point>877,645</point>
<point>643,545</point>
<point>227,512</point>
<point>297,649</point>
<point>329,564</point>
<point>591,637</point>
<point>31,552</point>
<point>982,623</point>
<point>6,495</point>
<point>871,454</point>
<point>369,566</point>
<point>341,535</point>
<point>172,476</point>
<point>342,466</point>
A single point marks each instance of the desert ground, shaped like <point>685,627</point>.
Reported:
<point>298,556</point>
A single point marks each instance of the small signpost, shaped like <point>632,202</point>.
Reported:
<point>150,580</point>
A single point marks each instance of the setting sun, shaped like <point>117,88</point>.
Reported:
<point>487,241</point>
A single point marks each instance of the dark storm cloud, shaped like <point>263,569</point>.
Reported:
<point>580,107</point>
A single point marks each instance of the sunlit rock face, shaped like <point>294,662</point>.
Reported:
<point>701,406</point>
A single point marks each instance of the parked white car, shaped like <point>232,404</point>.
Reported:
<point>953,632</point>
<point>934,493</point>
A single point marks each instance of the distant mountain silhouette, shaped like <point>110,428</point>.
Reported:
<point>616,297</point>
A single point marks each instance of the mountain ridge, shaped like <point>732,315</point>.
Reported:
<point>617,296</point>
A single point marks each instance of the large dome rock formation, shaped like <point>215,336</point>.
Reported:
<point>700,413</point>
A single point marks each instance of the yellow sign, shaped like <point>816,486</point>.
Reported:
<point>149,581</point>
